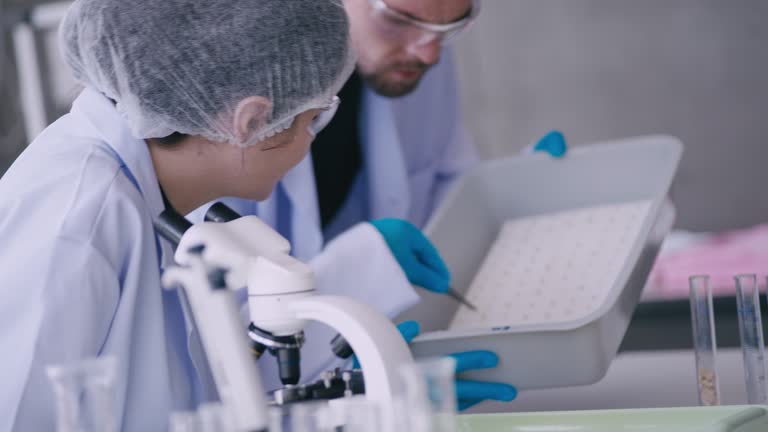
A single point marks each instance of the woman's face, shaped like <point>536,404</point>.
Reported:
<point>257,169</point>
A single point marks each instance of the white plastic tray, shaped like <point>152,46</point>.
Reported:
<point>578,349</point>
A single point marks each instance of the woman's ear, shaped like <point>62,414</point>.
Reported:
<point>251,114</point>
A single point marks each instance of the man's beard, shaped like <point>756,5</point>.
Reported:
<point>390,87</point>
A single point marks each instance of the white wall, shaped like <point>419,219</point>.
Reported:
<point>600,69</point>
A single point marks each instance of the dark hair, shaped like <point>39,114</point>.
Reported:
<point>172,139</point>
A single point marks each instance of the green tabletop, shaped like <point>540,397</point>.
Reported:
<point>699,419</point>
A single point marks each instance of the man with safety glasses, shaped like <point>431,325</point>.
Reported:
<point>378,170</point>
<point>395,145</point>
<point>398,41</point>
<point>393,148</point>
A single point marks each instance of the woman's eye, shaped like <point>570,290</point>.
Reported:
<point>397,22</point>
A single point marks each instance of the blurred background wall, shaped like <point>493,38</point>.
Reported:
<point>595,69</point>
<point>12,138</point>
<point>601,69</point>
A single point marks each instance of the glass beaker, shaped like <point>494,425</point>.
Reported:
<point>278,419</point>
<point>184,421</point>
<point>357,414</point>
<point>311,417</point>
<point>84,394</point>
<point>430,395</point>
<point>214,417</point>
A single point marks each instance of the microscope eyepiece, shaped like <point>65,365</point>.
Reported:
<point>171,226</point>
<point>219,212</point>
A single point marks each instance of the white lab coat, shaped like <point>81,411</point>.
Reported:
<point>80,267</point>
<point>414,148</point>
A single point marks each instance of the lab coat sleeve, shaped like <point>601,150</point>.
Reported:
<point>357,264</point>
<point>61,306</point>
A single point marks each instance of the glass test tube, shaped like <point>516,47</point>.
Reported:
<point>705,345</point>
<point>84,394</point>
<point>751,335</point>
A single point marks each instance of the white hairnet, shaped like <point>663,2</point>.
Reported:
<point>184,65</point>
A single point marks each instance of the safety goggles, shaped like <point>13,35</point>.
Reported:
<point>404,29</point>
<point>317,124</point>
<point>324,117</point>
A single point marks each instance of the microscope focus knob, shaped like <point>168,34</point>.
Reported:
<point>341,347</point>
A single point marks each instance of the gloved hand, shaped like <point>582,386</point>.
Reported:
<point>553,143</point>
<point>415,253</point>
<point>469,393</point>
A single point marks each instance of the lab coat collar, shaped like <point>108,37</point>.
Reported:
<point>305,220</point>
<point>387,174</point>
<point>131,151</point>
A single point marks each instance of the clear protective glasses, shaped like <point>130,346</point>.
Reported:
<point>324,117</point>
<point>407,30</point>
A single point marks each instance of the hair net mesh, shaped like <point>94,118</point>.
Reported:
<point>184,65</point>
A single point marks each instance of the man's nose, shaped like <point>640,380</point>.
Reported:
<point>429,52</point>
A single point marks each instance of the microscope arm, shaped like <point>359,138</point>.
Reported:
<point>281,301</point>
<point>226,345</point>
<point>379,347</point>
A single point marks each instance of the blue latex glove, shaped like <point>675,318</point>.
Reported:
<point>469,393</point>
<point>553,143</point>
<point>416,255</point>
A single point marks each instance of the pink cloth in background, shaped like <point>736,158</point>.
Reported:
<point>721,256</point>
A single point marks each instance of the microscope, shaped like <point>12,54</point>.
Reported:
<point>228,252</point>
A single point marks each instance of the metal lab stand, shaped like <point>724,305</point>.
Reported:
<point>29,23</point>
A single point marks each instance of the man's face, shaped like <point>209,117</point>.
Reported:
<point>389,62</point>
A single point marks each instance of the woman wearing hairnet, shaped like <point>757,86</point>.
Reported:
<point>247,83</point>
